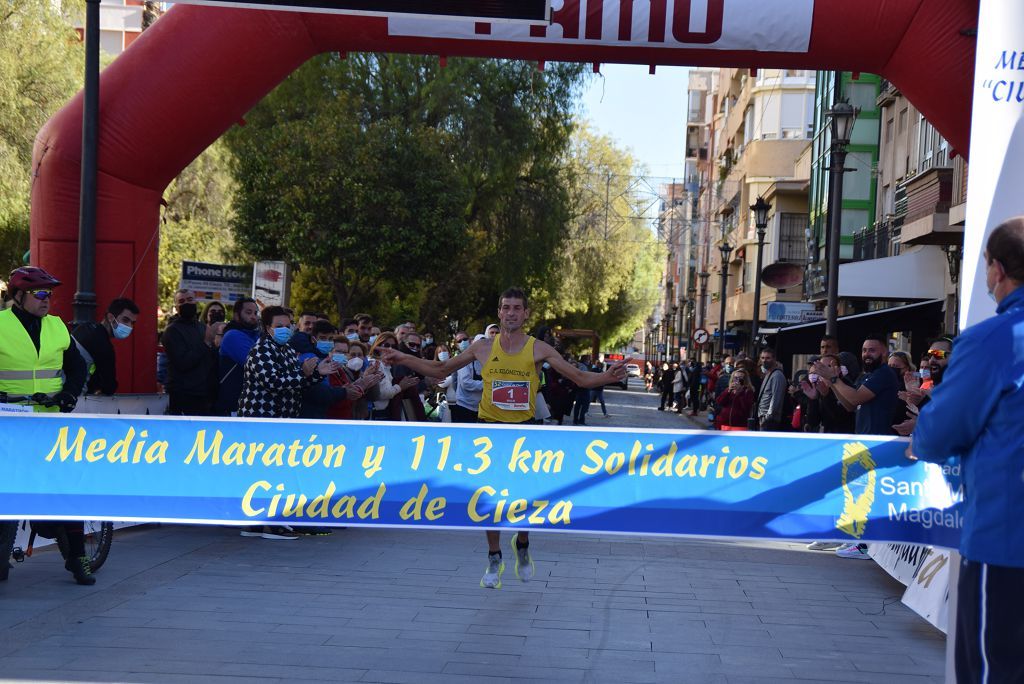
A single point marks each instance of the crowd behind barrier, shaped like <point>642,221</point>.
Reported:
<point>274,364</point>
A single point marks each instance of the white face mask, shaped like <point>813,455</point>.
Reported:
<point>355,364</point>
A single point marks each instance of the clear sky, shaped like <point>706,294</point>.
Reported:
<point>642,112</point>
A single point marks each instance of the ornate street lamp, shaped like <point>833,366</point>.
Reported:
<point>702,314</point>
<point>726,249</point>
<point>841,119</point>
<point>760,209</point>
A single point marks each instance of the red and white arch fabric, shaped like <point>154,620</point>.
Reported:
<point>199,69</point>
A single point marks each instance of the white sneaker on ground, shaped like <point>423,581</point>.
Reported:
<point>282,533</point>
<point>824,546</point>
<point>854,551</point>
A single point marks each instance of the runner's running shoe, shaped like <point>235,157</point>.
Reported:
<point>524,562</point>
<point>493,573</point>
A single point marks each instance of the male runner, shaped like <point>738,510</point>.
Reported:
<point>511,375</point>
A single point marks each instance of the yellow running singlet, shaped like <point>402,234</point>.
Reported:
<point>511,384</point>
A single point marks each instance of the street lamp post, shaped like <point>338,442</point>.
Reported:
<point>702,313</point>
<point>673,339</point>
<point>842,117</point>
<point>691,302</point>
<point>726,249</point>
<point>760,209</point>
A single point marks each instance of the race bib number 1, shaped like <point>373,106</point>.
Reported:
<point>510,395</point>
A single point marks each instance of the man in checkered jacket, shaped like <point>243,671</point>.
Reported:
<point>274,379</point>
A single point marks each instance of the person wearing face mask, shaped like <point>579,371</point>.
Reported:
<point>189,363</point>
<point>448,385</point>
<point>95,343</point>
<point>274,377</point>
<point>724,373</point>
<point>982,427</point>
<point>354,370</point>
<point>350,329</point>
<point>469,385</point>
<point>319,397</point>
<point>771,397</point>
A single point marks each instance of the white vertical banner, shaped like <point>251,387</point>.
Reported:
<point>997,145</point>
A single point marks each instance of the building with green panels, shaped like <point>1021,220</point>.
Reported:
<point>859,182</point>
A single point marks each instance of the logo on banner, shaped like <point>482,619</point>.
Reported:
<point>857,506</point>
<point>709,24</point>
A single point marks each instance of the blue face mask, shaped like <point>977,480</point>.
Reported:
<point>339,358</point>
<point>352,337</point>
<point>463,345</point>
<point>325,346</point>
<point>373,338</point>
<point>443,356</point>
<point>282,335</point>
<point>122,331</point>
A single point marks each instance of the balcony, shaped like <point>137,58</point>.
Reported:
<point>887,94</point>
<point>929,196</point>
<point>699,153</point>
<point>876,242</point>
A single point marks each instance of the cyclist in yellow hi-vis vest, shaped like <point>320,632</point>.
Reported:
<point>511,377</point>
<point>40,367</point>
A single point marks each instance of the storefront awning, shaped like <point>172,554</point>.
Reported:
<point>915,275</point>
<point>923,320</point>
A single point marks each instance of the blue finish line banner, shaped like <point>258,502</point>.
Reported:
<point>244,471</point>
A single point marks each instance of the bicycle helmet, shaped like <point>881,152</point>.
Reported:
<point>31,278</point>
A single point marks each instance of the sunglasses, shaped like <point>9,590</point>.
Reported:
<point>41,295</point>
<point>414,347</point>
<point>939,353</point>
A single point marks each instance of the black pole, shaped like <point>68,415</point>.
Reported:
<point>835,229</point>
<point>84,302</point>
<point>721,312</point>
<point>757,293</point>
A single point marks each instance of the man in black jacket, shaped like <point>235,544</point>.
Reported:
<point>188,364</point>
<point>94,341</point>
<point>668,376</point>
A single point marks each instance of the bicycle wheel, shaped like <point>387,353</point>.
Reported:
<point>98,536</point>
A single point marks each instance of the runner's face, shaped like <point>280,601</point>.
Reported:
<point>512,314</point>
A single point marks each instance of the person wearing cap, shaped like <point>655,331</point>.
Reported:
<point>40,367</point>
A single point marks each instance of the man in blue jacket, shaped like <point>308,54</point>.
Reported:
<point>239,337</point>
<point>977,413</point>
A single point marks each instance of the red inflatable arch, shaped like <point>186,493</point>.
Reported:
<point>200,69</point>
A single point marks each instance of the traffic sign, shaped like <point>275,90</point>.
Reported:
<point>701,336</point>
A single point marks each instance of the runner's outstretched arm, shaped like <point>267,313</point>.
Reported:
<point>545,352</point>
<point>429,368</point>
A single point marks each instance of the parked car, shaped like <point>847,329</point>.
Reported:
<point>632,370</point>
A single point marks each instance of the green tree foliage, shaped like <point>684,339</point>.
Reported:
<point>196,223</point>
<point>41,66</point>
<point>610,263</point>
<point>391,180</point>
